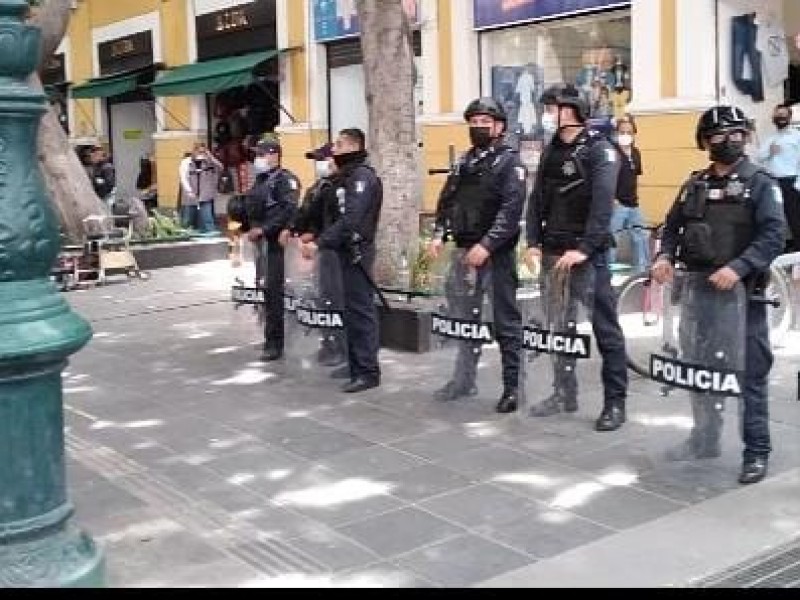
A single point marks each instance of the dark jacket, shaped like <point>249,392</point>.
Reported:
<point>360,195</point>
<point>600,163</point>
<point>319,209</point>
<point>272,202</point>
<point>767,235</point>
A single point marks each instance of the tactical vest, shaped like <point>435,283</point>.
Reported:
<point>718,220</point>
<point>567,199</point>
<point>476,199</point>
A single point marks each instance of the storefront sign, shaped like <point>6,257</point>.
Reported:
<point>336,19</point>
<point>236,30</point>
<point>496,13</point>
<point>126,54</point>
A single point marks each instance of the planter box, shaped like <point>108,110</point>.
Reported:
<point>161,255</point>
<point>405,329</point>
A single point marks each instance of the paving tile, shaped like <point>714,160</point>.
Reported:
<point>436,446</point>
<point>488,462</point>
<point>399,531</point>
<point>332,549</point>
<point>371,462</point>
<point>463,561</point>
<point>545,532</point>
<point>615,507</point>
<point>380,575</point>
<point>424,481</point>
<point>222,574</point>
<point>480,505</point>
<point>156,556</point>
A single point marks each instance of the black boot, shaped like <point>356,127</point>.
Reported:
<point>455,391</point>
<point>612,418</point>
<point>509,401</point>
<point>271,354</point>
<point>546,408</point>
<point>753,470</point>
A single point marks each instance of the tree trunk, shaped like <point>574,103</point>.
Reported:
<point>390,75</point>
<point>71,191</point>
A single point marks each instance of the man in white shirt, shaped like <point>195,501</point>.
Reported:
<point>780,156</point>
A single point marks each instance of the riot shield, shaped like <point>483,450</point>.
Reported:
<point>461,326</point>
<point>557,336</point>
<point>702,354</point>
<point>250,276</point>
<point>313,312</point>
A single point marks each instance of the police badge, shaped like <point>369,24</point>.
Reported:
<point>569,169</point>
<point>735,188</point>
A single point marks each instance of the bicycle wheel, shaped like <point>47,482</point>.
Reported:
<point>779,318</point>
<point>641,316</point>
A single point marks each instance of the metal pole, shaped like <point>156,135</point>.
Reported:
<point>39,546</point>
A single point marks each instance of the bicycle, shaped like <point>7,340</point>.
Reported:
<point>644,315</point>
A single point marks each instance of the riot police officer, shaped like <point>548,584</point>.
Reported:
<point>733,232</point>
<point>480,209</point>
<point>360,195</point>
<point>318,212</point>
<point>568,220</point>
<point>270,206</point>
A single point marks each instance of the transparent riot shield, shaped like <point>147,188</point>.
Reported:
<point>557,336</point>
<point>461,327</point>
<point>313,312</point>
<point>250,276</point>
<point>702,355</point>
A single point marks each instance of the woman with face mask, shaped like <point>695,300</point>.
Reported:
<point>627,216</point>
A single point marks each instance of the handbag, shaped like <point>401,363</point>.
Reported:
<point>226,185</point>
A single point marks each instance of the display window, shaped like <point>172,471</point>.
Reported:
<point>591,53</point>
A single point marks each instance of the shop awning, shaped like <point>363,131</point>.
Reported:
<point>211,76</point>
<point>105,87</point>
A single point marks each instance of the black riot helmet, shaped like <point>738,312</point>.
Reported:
<point>566,95</point>
<point>721,119</point>
<point>486,106</point>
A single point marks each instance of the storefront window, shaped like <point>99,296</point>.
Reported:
<point>591,53</point>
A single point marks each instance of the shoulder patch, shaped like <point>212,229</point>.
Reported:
<point>777,193</point>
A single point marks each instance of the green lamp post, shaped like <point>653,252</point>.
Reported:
<point>39,547</point>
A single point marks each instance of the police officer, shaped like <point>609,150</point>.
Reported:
<point>568,220</point>
<point>352,236</point>
<point>270,205</point>
<point>736,193</point>
<point>318,212</point>
<point>480,209</point>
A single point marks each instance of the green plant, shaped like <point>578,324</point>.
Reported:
<point>163,226</point>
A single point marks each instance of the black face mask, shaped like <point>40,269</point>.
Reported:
<point>781,122</point>
<point>727,152</point>
<point>480,137</point>
<point>342,160</point>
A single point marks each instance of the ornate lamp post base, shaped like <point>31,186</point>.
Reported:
<point>38,332</point>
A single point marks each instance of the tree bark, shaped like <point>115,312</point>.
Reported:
<point>390,75</point>
<point>71,191</point>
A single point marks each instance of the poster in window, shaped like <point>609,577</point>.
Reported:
<point>493,13</point>
<point>336,19</point>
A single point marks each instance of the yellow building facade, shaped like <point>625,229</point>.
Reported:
<point>664,61</point>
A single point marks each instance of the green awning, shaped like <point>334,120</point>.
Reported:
<point>211,76</point>
<point>105,87</point>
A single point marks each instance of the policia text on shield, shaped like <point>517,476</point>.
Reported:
<point>724,230</point>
